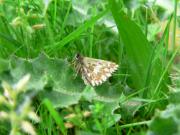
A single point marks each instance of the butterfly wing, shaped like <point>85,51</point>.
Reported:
<point>95,71</point>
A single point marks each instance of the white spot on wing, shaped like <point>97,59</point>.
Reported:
<point>97,69</point>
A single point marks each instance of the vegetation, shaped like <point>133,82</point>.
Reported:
<point>40,92</point>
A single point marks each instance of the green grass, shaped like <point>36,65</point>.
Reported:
<point>42,40</point>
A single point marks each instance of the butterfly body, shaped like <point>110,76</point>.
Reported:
<point>94,71</point>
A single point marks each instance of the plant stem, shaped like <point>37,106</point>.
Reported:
<point>135,124</point>
<point>174,25</point>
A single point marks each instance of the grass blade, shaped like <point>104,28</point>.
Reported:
<point>74,34</point>
<point>55,115</point>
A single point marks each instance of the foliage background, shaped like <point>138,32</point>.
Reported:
<point>42,37</point>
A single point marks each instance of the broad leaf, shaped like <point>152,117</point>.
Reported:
<point>166,122</point>
<point>137,48</point>
<point>145,71</point>
<point>55,80</point>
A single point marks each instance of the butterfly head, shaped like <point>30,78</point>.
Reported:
<point>78,57</point>
<point>77,60</point>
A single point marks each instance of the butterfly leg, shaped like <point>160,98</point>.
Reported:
<point>85,77</point>
<point>78,70</point>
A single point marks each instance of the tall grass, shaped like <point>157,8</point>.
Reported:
<point>42,37</point>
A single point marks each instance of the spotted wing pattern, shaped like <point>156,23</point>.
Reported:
<point>95,72</point>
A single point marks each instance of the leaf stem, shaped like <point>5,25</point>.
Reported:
<point>135,124</point>
<point>174,26</point>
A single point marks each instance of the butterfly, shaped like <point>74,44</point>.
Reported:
<point>93,71</point>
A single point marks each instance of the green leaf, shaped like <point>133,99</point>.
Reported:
<point>79,132</point>
<point>129,108</point>
<point>137,48</point>
<point>89,93</point>
<point>4,65</point>
<point>55,115</point>
<point>105,111</point>
<point>20,67</point>
<point>145,70</point>
<point>109,91</point>
<point>166,122</point>
<point>57,73</point>
<point>163,126</point>
<point>174,97</point>
<point>60,99</point>
<point>54,79</point>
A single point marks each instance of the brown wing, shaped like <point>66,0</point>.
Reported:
<point>95,71</point>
